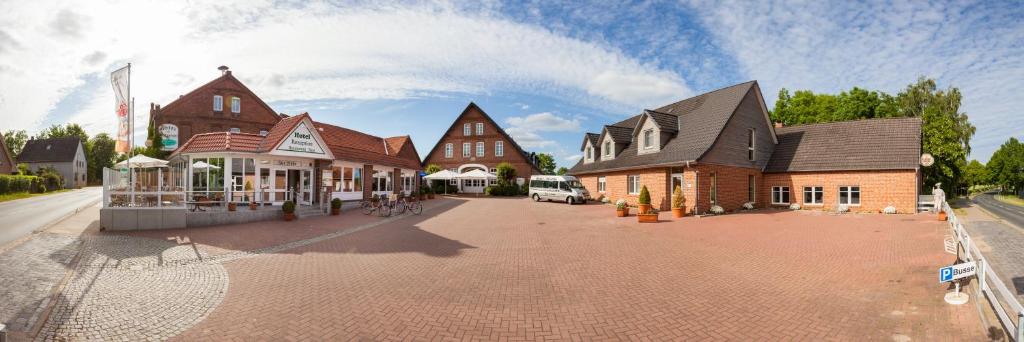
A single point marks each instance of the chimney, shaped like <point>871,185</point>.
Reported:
<point>778,125</point>
<point>224,70</point>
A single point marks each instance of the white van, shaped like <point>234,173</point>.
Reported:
<point>558,188</point>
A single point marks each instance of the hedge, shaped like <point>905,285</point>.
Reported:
<point>18,183</point>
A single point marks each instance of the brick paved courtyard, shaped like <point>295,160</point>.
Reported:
<point>493,269</point>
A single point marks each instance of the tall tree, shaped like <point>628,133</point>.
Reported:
<point>546,163</point>
<point>68,130</point>
<point>15,141</point>
<point>1006,167</point>
<point>102,155</point>
<point>975,173</point>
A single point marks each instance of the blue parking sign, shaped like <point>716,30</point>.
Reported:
<point>945,274</point>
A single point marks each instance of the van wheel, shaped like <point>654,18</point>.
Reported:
<point>570,200</point>
<point>536,198</point>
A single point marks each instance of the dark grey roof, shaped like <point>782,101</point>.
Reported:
<point>49,150</point>
<point>592,137</point>
<point>701,119</point>
<point>620,135</point>
<point>873,144</point>
<point>665,122</point>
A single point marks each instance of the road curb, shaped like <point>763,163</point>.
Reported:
<point>997,217</point>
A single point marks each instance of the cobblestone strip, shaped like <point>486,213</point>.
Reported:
<point>28,273</point>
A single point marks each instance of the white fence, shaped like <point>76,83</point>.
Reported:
<point>1004,301</point>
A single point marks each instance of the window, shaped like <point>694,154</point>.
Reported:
<point>814,195</point>
<point>236,105</point>
<point>648,138</point>
<point>849,195</point>
<point>780,195</point>
<point>235,130</point>
<point>479,128</point>
<point>751,193</point>
<point>633,184</point>
<point>357,179</point>
<point>589,153</point>
<point>448,150</point>
<point>218,103</point>
<point>601,184</point>
<point>465,150</point>
<point>264,132</point>
<point>465,129</point>
<point>453,181</point>
<point>714,189</point>
<point>499,148</point>
<point>608,148</point>
<point>480,149</point>
<point>750,144</point>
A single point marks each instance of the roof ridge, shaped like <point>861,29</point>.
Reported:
<point>706,93</point>
<point>851,121</point>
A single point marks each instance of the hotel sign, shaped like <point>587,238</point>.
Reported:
<point>301,140</point>
<point>169,137</point>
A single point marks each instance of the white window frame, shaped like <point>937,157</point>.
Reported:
<point>499,148</point>
<point>849,195</point>
<point>648,137</point>
<point>218,103</point>
<point>633,184</point>
<point>608,148</point>
<point>589,156</point>
<point>453,181</point>
<point>480,149</point>
<point>777,192</point>
<point>466,150</point>
<point>465,129</point>
<point>234,130</point>
<point>236,105</point>
<point>751,152</point>
<point>602,184</point>
<point>479,128</point>
<point>815,190</point>
<point>264,132</point>
<point>448,150</point>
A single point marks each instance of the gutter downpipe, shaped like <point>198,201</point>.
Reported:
<point>696,186</point>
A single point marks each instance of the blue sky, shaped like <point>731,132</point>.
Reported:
<point>546,70</point>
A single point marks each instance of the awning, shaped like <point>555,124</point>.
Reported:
<point>441,175</point>
<point>141,161</point>
<point>476,174</point>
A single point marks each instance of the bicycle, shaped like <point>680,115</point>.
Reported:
<point>374,204</point>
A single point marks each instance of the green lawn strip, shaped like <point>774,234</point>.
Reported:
<point>20,195</point>
<point>1010,199</point>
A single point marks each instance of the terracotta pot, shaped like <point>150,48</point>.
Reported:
<point>430,196</point>
<point>335,211</point>
<point>621,213</point>
<point>289,216</point>
<point>647,218</point>
<point>678,212</point>
<point>942,216</point>
<point>643,208</point>
<point>253,206</point>
<point>232,206</point>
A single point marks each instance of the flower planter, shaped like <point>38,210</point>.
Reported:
<point>232,206</point>
<point>647,218</point>
<point>289,216</point>
<point>253,206</point>
<point>621,213</point>
<point>678,212</point>
<point>335,211</point>
<point>643,208</point>
<point>942,216</point>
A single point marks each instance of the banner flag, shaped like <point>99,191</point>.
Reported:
<point>119,79</point>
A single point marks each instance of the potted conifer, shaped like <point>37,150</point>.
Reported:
<point>336,206</point>
<point>678,202</point>
<point>644,202</point>
<point>289,210</point>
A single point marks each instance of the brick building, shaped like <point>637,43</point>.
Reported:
<point>475,141</point>
<point>722,149</point>
<point>7,163</point>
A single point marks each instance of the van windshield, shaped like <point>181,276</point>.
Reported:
<point>575,184</point>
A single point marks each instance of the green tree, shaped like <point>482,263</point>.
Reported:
<point>1006,167</point>
<point>562,171</point>
<point>68,130</point>
<point>975,174</point>
<point>101,155</point>
<point>432,168</point>
<point>15,141</point>
<point>155,143</point>
<point>546,163</point>
<point>506,173</point>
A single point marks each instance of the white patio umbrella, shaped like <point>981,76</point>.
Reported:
<point>201,165</point>
<point>476,174</point>
<point>141,161</point>
<point>442,175</point>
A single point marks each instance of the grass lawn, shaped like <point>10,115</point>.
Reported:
<point>20,195</point>
<point>1010,199</point>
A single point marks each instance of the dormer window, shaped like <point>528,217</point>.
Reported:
<point>608,148</point>
<point>263,132</point>
<point>648,139</point>
<point>750,144</point>
<point>590,154</point>
<point>218,103</point>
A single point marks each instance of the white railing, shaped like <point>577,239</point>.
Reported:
<point>1004,302</point>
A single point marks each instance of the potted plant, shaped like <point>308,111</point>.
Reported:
<point>621,210</point>
<point>248,190</point>
<point>644,202</point>
<point>289,210</point>
<point>942,215</point>
<point>252,205</point>
<point>232,206</point>
<point>430,193</point>
<point>422,194</point>
<point>336,206</point>
<point>678,202</point>
<point>651,216</point>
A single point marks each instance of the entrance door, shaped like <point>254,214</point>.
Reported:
<point>677,180</point>
<point>305,192</point>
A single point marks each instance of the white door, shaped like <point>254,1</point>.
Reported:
<point>677,180</point>
<point>306,187</point>
<point>473,186</point>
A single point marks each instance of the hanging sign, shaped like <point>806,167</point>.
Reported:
<point>301,140</point>
<point>169,137</point>
<point>927,160</point>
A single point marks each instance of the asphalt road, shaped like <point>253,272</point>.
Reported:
<point>22,217</point>
<point>1008,212</point>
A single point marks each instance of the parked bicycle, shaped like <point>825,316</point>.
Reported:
<point>408,203</point>
<point>375,205</point>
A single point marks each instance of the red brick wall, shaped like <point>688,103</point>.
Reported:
<point>193,114</point>
<point>732,186</point>
<point>456,138</point>
<point>656,180</point>
<point>878,189</point>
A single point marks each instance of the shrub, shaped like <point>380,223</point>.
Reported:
<point>506,173</point>
<point>336,203</point>
<point>717,210</point>
<point>18,183</point>
<point>503,190</point>
<point>645,196</point>
<point>677,198</point>
<point>288,207</point>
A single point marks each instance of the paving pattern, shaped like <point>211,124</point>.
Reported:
<point>510,269</point>
<point>28,274</point>
<point>1002,245</point>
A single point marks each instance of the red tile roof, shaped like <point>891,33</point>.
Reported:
<point>281,130</point>
<point>222,142</point>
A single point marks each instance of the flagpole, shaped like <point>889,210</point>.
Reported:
<point>131,135</point>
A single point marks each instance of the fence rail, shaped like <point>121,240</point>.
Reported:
<point>1004,302</point>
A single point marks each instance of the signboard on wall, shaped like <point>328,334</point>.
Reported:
<point>169,137</point>
<point>301,140</point>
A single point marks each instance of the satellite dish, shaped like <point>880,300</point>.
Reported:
<point>927,160</point>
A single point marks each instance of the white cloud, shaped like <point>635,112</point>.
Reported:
<point>528,138</point>
<point>314,52</point>
<point>544,122</point>
<point>572,158</point>
<point>829,46</point>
